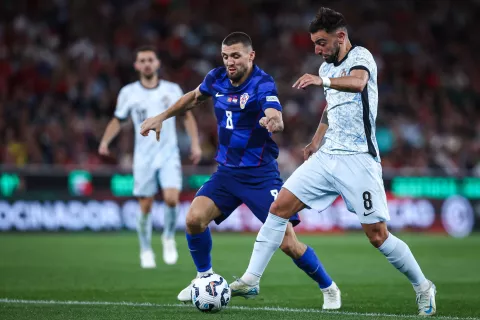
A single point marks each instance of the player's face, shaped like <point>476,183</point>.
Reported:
<point>238,59</point>
<point>147,64</point>
<point>327,45</point>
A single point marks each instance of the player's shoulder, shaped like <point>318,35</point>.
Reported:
<point>262,79</point>
<point>217,73</point>
<point>169,85</point>
<point>130,87</point>
<point>361,52</point>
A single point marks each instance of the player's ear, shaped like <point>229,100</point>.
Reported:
<point>341,36</point>
<point>252,56</point>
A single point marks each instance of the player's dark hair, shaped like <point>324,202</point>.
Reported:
<point>145,49</point>
<point>238,37</point>
<point>328,20</point>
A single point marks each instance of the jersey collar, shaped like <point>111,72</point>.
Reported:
<point>336,64</point>
<point>245,83</point>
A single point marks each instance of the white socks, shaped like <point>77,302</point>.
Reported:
<point>399,255</point>
<point>203,273</point>
<point>144,231</point>
<point>169,222</point>
<point>268,240</point>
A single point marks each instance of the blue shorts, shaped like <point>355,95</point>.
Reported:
<point>257,188</point>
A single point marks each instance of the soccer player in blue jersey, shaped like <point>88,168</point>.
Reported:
<point>248,111</point>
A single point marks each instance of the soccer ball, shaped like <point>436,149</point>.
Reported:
<point>211,293</point>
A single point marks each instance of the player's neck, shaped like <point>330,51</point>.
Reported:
<point>242,79</point>
<point>344,50</point>
<point>149,83</point>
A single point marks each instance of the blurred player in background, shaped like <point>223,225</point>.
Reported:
<point>153,162</point>
<point>248,111</point>
<point>348,162</point>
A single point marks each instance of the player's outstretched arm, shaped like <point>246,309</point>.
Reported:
<point>192,131</point>
<point>112,130</point>
<point>355,82</point>
<point>188,101</point>
<point>313,146</point>
<point>272,121</point>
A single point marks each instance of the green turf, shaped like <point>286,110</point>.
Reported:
<point>105,267</point>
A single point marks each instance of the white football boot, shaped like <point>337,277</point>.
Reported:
<point>426,301</point>
<point>332,299</point>
<point>185,295</point>
<point>241,289</point>
<point>147,259</point>
<point>170,254</point>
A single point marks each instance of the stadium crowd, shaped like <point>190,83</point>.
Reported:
<point>63,62</point>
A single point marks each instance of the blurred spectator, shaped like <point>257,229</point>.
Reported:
<point>63,62</point>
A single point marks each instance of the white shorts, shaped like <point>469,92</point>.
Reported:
<point>147,178</point>
<point>357,178</point>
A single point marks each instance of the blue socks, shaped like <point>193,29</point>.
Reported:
<point>310,264</point>
<point>200,246</point>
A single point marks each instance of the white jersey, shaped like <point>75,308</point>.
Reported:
<point>140,103</point>
<point>351,116</point>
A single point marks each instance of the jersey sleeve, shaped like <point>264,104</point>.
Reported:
<point>267,95</point>
<point>206,86</point>
<point>364,61</point>
<point>122,110</point>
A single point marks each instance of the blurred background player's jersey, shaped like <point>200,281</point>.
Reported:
<point>351,116</point>
<point>243,143</point>
<point>140,103</point>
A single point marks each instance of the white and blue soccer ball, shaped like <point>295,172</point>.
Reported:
<point>211,293</point>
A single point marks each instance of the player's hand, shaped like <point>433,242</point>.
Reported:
<point>154,124</point>
<point>103,149</point>
<point>310,149</point>
<point>307,80</point>
<point>195,153</point>
<point>272,124</point>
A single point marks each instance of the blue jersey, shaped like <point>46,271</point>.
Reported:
<point>243,143</point>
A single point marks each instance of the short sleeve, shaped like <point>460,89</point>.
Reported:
<point>267,95</point>
<point>364,61</point>
<point>122,110</point>
<point>206,86</point>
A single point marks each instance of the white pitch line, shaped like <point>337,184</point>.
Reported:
<point>243,308</point>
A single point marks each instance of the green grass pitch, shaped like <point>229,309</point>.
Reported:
<point>97,276</point>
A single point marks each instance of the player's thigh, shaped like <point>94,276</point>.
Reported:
<point>360,183</point>
<point>144,181</point>
<point>259,198</point>
<point>220,190</point>
<point>312,184</point>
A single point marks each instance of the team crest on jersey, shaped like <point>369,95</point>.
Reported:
<point>243,100</point>
<point>343,73</point>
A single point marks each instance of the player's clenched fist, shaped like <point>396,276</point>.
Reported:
<point>310,149</point>
<point>154,123</point>
<point>306,80</point>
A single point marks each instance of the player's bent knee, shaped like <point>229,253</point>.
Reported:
<point>377,238</point>
<point>196,222</point>
<point>278,209</point>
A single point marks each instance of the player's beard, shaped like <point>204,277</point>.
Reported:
<point>148,76</point>
<point>336,51</point>
<point>238,75</point>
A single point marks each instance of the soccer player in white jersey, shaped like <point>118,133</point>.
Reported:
<point>348,161</point>
<point>153,161</point>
